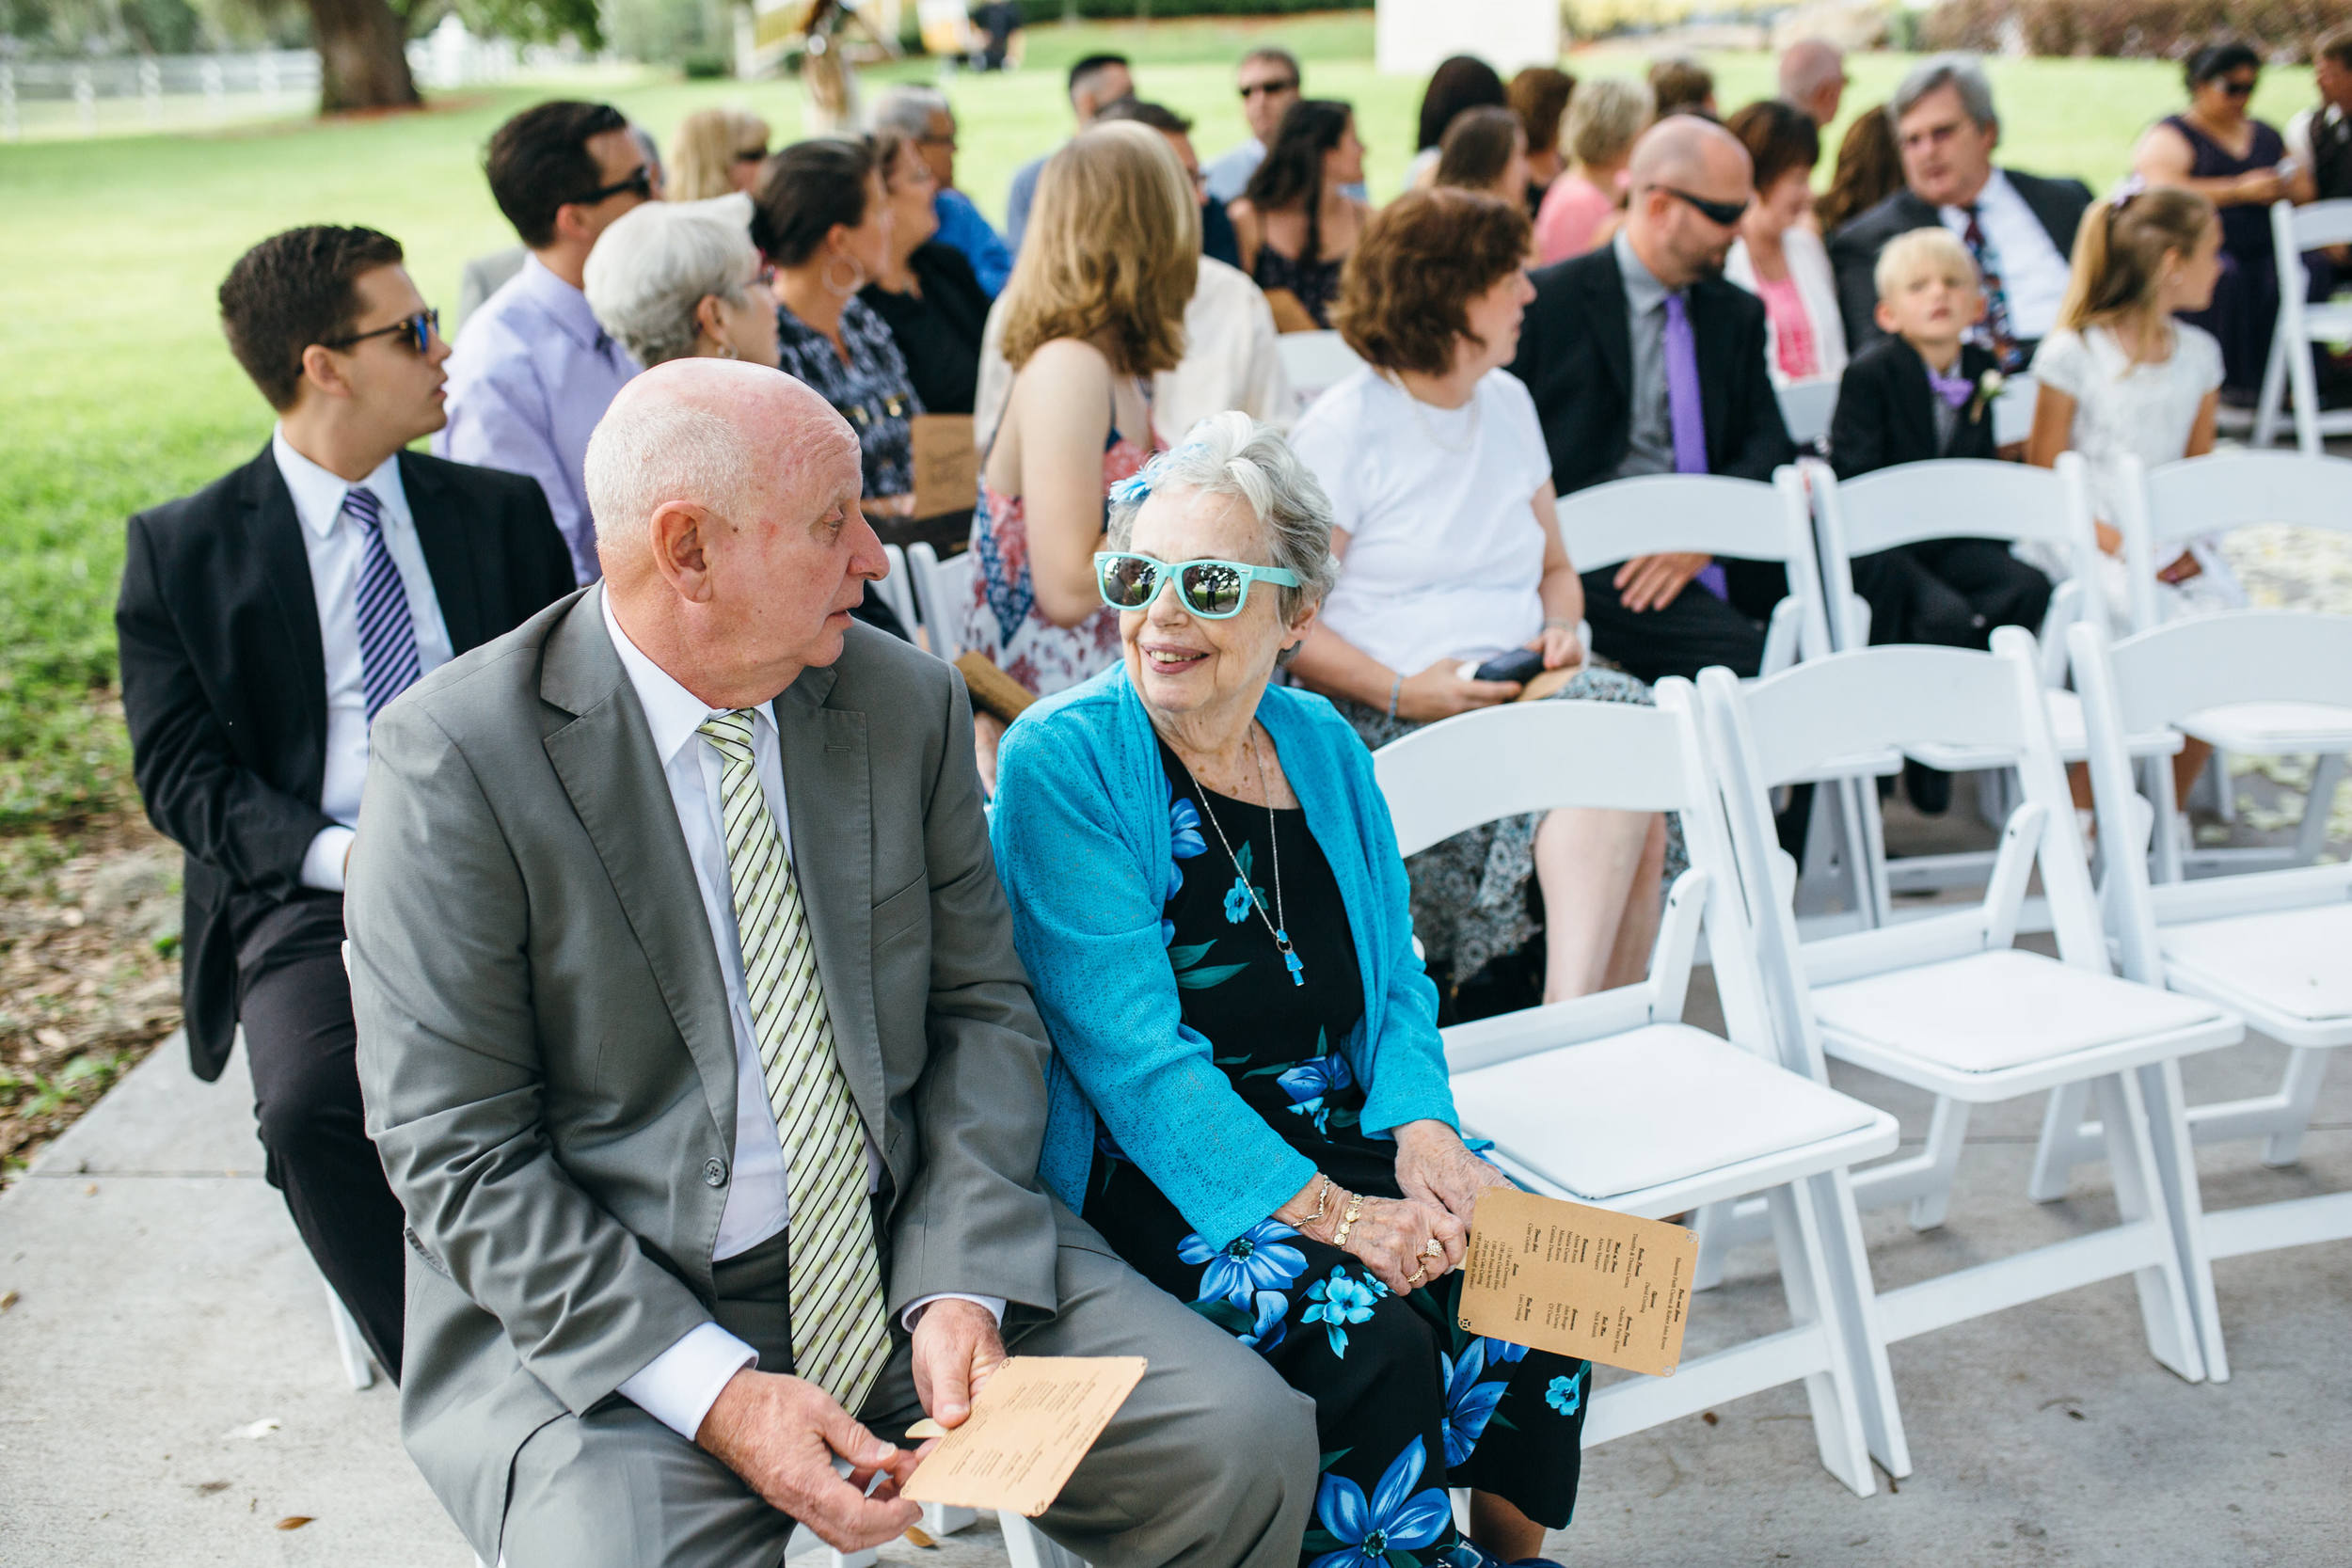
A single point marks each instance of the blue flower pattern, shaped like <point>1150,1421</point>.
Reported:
<point>1311,1081</point>
<point>1470,1403</point>
<point>1340,1301</point>
<point>1567,1393</point>
<point>1259,1259</point>
<point>1398,1519</point>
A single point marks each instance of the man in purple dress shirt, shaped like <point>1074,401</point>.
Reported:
<point>533,371</point>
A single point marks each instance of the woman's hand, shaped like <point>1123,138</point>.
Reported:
<point>1440,692</point>
<point>2110,537</point>
<point>1559,647</point>
<point>1434,1166</point>
<point>1391,1236</point>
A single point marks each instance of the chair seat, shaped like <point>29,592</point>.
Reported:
<point>2273,729</point>
<point>2331,322</point>
<point>2005,1009</point>
<point>2067,728</point>
<point>2294,960</point>
<point>1655,1105</point>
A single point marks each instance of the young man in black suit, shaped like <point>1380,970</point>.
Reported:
<point>1606,355</point>
<point>263,623</point>
<point>2018,226</point>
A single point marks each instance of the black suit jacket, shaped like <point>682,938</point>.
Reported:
<point>1854,250</point>
<point>1885,414</point>
<point>1576,355</point>
<point>224,680</point>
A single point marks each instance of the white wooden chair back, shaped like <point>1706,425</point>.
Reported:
<point>2013,410</point>
<point>1714,514</point>
<point>2174,501</point>
<point>1315,362</point>
<point>1807,408</point>
<point>1522,757</point>
<point>2294,231</point>
<point>942,587</point>
<point>897,590</point>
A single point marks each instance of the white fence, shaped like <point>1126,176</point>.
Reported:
<point>93,97</point>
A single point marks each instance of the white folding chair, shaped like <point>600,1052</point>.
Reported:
<point>1945,1003</point>
<point>2271,947</point>
<point>897,592</point>
<point>1807,408</point>
<point>1315,362</point>
<point>2013,410</point>
<point>1027,1546</point>
<point>1613,1100</point>
<point>941,588</point>
<point>2294,230</point>
<point>2162,508</point>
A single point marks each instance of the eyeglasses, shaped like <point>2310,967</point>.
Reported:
<point>2238,89</point>
<point>1252,89</point>
<point>420,329</point>
<point>752,155</point>
<point>640,182</point>
<point>1723,215</point>
<point>1213,590</point>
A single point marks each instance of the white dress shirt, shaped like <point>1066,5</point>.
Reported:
<point>2033,270</point>
<point>338,553</point>
<point>1230,358</point>
<point>1229,176</point>
<point>678,1386</point>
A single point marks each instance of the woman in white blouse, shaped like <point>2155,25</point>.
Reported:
<point>1778,257</point>
<point>1450,556</point>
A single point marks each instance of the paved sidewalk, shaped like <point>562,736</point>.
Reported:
<point>165,1306</point>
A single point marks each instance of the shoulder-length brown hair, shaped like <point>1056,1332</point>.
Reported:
<point>1112,252</point>
<point>1405,291</point>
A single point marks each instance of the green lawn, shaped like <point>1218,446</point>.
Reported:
<point>118,392</point>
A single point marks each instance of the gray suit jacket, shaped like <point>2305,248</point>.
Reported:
<point>544,1041</point>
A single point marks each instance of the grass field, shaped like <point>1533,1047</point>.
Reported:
<point>117,391</point>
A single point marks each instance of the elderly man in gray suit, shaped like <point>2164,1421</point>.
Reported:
<point>696,1049</point>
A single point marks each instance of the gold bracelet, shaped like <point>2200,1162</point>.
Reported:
<point>1323,1198</point>
<point>1347,1221</point>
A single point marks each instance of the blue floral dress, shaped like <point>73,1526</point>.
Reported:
<point>1406,1403</point>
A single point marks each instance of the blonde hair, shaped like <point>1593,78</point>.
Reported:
<point>2120,250</point>
<point>1605,119</point>
<point>702,158</point>
<point>1113,247</point>
<point>1913,252</point>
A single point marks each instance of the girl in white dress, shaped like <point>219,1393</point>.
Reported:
<point>2118,375</point>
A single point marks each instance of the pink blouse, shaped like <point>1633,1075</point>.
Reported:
<point>1793,342</point>
<point>1573,209</point>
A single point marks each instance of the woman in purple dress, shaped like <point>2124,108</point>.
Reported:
<point>2218,149</point>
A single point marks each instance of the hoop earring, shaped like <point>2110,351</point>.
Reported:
<point>844,290</point>
<point>726,351</point>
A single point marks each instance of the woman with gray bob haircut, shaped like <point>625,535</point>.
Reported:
<point>677,279</point>
<point>1248,1097</point>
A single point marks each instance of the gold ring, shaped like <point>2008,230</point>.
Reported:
<point>1417,1276</point>
<point>1433,1249</point>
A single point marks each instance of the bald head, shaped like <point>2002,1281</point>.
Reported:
<point>725,498</point>
<point>1813,77</point>
<point>1690,181</point>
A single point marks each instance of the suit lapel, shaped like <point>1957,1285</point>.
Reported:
<point>445,537</point>
<point>1911,393</point>
<point>1604,306</point>
<point>829,796</point>
<point>1711,346</point>
<point>275,534</point>
<point>606,761</point>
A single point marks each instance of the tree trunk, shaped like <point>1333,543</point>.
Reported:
<point>363,63</point>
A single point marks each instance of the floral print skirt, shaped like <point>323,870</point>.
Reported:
<point>1474,898</point>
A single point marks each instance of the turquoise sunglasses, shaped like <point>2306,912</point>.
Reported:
<point>1213,590</point>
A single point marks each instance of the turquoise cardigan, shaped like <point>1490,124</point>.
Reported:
<point>1080,828</point>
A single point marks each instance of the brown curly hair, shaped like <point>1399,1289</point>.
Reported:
<point>1405,291</point>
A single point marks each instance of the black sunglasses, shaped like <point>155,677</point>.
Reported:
<point>419,328</point>
<point>1256,88</point>
<point>752,155</point>
<point>2238,89</point>
<point>1723,215</point>
<point>640,180</point>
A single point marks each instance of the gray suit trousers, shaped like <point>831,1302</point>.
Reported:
<point>1210,1464</point>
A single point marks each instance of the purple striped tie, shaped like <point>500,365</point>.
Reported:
<point>388,637</point>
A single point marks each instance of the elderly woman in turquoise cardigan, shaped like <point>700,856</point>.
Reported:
<point>1248,1098</point>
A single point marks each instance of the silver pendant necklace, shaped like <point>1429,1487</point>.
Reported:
<point>1277,923</point>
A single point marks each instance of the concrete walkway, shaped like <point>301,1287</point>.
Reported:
<point>163,1306</point>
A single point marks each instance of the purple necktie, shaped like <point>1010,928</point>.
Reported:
<point>1688,420</point>
<point>1953,389</point>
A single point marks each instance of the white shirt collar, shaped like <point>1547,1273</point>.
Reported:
<point>318,493</point>
<point>674,714</point>
<point>1996,190</point>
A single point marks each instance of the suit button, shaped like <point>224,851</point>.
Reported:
<point>715,1174</point>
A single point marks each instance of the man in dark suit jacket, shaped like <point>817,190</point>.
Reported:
<point>2019,227</point>
<point>1594,354</point>
<point>263,622</point>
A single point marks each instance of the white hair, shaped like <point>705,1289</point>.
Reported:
<point>1232,454</point>
<point>907,108</point>
<point>658,260</point>
<point>648,451</point>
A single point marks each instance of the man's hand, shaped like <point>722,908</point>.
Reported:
<point>956,1346</point>
<point>1653,581</point>
<point>781,1434</point>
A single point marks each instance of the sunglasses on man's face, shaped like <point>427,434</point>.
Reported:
<point>1213,590</point>
<point>417,332</point>
<point>1251,89</point>
<point>639,183</point>
<point>1723,215</point>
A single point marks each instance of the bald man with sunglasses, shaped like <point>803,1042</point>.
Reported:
<point>1641,359</point>
<point>264,622</point>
